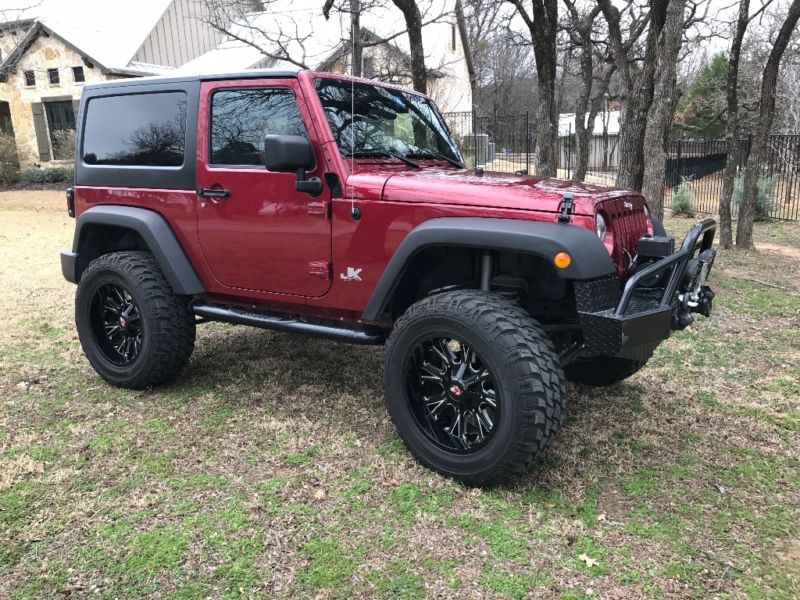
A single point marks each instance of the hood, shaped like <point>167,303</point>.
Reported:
<point>434,185</point>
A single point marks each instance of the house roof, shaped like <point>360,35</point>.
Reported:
<point>106,33</point>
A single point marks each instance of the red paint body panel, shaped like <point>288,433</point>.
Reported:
<point>262,237</point>
<point>258,246</point>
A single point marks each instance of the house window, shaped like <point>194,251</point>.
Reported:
<point>61,124</point>
<point>368,67</point>
<point>30,78</point>
<point>77,74</point>
<point>52,75</point>
<point>241,118</point>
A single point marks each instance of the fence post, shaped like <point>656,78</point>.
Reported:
<point>527,144</point>
<point>475,134</point>
<point>569,151</point>
<point>678,161</point>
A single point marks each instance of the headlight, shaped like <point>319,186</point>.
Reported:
<point>600,226</point>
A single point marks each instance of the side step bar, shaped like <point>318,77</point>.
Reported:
<point>327,329</point>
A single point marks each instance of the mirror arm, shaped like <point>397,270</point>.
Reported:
<point>312,186</point>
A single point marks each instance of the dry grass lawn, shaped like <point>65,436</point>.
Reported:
<point>270,468</point>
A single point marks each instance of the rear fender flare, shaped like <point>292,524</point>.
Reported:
<point>157,235</point>
<point>590,259</point>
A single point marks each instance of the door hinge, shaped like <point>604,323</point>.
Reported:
<point>321,210</point>
<point>320,268</point>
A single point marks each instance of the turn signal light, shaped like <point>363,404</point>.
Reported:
<point>562,260</point>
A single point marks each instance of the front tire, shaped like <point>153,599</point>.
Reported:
<point>473,386</point>
<point>135,331</point>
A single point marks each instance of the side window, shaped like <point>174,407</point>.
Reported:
<point>136,130</point>
<point>241,118</point>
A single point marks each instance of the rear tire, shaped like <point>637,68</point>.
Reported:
<point>601,371</point>
<point>480,356</point>
<point>135,331</point>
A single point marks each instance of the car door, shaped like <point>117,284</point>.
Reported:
<point>256,230</point>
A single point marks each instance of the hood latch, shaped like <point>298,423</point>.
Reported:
<point>565,208</point>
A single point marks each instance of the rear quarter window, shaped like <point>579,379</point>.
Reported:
<point>146,129</point>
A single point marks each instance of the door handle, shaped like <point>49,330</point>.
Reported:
<point>213,192</point>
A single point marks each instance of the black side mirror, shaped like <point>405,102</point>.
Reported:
<point>287,153</point>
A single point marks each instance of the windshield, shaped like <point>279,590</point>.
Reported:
<point>369,120</point>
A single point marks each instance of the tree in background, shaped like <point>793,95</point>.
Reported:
<point>580,27</point>
<point>503,64</point>
<point>758,153</point>
<point>701,111</point>
<point>662,107</point>
<point>637,83</point>
<point>413,19</point>
<point>542,26</point>
<point>732,129</point>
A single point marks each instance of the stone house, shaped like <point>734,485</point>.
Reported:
<point>46,60</point>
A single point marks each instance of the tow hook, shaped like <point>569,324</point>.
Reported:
<point>698,297</point>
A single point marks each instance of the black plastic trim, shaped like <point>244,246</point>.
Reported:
<point>334,330</point>
<point>69,261</point>
<point>155,232</point>
<point>590,259</point>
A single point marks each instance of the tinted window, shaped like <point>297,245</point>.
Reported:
<point>136,129</point>
<point>241,118</point>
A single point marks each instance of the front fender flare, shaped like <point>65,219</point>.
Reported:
<point>590,259</point>
<point>156,233</point>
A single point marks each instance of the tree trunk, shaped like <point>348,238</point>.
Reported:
<point>582,131</point>
<point>638,89</point>
<point>355,37</point>
<point>467,47</point>
<point>758,155</point>
<point>732,129</point>
<point>413,20</point>
<point>542,23</point>
<point>662,109</point>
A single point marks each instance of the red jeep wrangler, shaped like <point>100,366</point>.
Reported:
<point>339,207</point>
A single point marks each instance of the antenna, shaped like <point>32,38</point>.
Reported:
<point>354,212</point>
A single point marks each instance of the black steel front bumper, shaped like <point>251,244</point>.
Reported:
<point>631,321</point>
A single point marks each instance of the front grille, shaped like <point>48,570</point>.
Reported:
<point>627,226</point>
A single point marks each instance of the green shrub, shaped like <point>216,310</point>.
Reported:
<point>9,164</point>
<point>54,175</point>
<point>683,199</point>
<point>765,188</point>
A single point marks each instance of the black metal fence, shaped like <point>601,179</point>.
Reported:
<point>507,143</point>
<point>699,166</point>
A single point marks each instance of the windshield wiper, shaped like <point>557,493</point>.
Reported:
<point>384,154</point>
<point>432,154</point>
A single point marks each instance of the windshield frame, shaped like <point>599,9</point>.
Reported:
<point>434,122</point>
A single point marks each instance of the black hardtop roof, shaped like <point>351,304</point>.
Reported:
<point>191,78</point>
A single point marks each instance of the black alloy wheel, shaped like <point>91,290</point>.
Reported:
<point>116,324</point>
<point>452,394</point>
<point>473,385</point>
<point>134,329</point>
